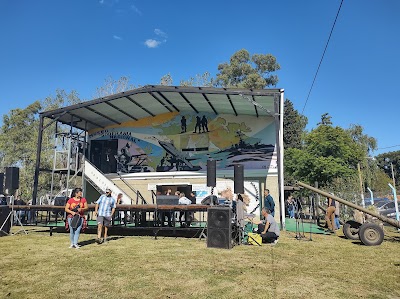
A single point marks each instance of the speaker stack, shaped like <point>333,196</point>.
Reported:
<point>219,227</point>
<point>12,179</point>
<point>4,211</point>
<point>238,179</point>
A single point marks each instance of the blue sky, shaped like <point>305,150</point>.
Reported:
<point>76,45</point>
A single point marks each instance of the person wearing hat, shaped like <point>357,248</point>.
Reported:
<point>104,210</point>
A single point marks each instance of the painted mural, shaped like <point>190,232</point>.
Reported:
<point>184,142</point>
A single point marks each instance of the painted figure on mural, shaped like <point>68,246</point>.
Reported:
<point>183,124</point>
<point>204,124</point>
<point>198,124</point>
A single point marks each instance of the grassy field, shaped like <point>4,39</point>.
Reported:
<point>39,266</point>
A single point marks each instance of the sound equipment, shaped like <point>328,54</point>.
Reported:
<point>12,178</point>
<point>239,179</point>
<point>219,227</point>
<point>167,200</point>
<point>1,183</point>
<point>4,212</point>
<point>60,201</point>
<point>207,200</point>
<point>211,173</point>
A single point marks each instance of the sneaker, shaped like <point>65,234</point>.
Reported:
<point>77,246</point>
<point>98,241</point>
<point>71,246</point>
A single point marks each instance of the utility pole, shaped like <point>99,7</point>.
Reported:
<point>394,182</point>
<point>361,185</point>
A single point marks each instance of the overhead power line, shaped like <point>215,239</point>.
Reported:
<point>388,147</point>
<point>322,58</point>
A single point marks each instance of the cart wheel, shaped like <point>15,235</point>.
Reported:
<point>371,234</point>
<point>350,229</point>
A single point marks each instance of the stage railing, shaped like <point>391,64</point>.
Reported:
<point>134,217</point>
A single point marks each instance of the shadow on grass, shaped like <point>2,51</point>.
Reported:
<point>93,241</point>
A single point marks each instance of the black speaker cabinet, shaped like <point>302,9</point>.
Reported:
<point>1,183</point>
<point>12,178</point>
<point>219,227</point>
<point>239,179</point>
<point>4,211</point>
<point>211,173</point>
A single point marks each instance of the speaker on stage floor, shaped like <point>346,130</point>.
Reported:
<point>12,178</point>
<point>239,179</point>
<point>1,183</point>
<point>211,173</point>
<point>219,227</point>
<point>4,211</point>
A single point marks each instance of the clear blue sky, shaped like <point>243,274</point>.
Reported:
<point>75,45</point>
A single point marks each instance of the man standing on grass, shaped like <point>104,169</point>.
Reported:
<point>269,202</point>
<point>104,210</point>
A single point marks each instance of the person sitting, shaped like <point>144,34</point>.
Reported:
<point>183,200</point>
<point>267,228</point>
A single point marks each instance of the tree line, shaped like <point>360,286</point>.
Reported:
<point>327,154</point>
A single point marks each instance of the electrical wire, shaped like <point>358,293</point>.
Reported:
<point>388,147</point>
<point>322,58</point>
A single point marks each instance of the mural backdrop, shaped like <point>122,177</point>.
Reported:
<point>184,142</point>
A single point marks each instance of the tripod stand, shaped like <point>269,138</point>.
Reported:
<point>10,217</point>
<point>298,209</point>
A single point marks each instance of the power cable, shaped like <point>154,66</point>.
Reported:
<point>388,147</point>
<point>322,58</point>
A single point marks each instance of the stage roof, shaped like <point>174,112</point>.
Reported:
<point>152,100</point>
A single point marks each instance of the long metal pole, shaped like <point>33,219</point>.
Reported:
<point>37,166</point>
<point>394,182</point>
<point>393,222</point>
<point>396,206</point>
<point>361,185</point>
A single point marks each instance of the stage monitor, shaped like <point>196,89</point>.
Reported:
<point>167,200</point>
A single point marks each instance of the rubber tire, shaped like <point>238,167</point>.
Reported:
<point>351,229</point>
<point>371,234</point>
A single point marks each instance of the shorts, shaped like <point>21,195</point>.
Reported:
<point>104,220</point>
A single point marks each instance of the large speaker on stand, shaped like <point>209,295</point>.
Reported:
<point>219,227</point>
<point>238,179</point>
<point>12,179</point>
<point>211,173</point>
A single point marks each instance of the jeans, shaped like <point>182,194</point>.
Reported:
<point>74,233</point>
<point>337,223</point>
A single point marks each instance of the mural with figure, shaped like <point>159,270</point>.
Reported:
<point>184,142</point>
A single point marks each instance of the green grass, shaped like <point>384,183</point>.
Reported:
<point>39,266</point>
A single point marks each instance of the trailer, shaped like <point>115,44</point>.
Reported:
<point>368,233</point>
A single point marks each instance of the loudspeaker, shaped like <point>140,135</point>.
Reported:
<point>4,211</point>
<point>219,227</point>
<point>211,173</point>
<point>238,179</point>
<point>1,183</point>
<point>12,178</point>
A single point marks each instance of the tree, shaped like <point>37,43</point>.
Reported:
<point>204,80</point>
<point>18,139</point>
<point>385,162</point>
<point>325,120</point>
<point>166,80</point>
<point>293,126</point>
<point>244,71</point>
<point>329,153</point>
<point>112,86</point>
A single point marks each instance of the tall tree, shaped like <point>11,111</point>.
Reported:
<point>18,139</point>
<point>386,161</point>
<point>244,71</point>
<point>294,125</point>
